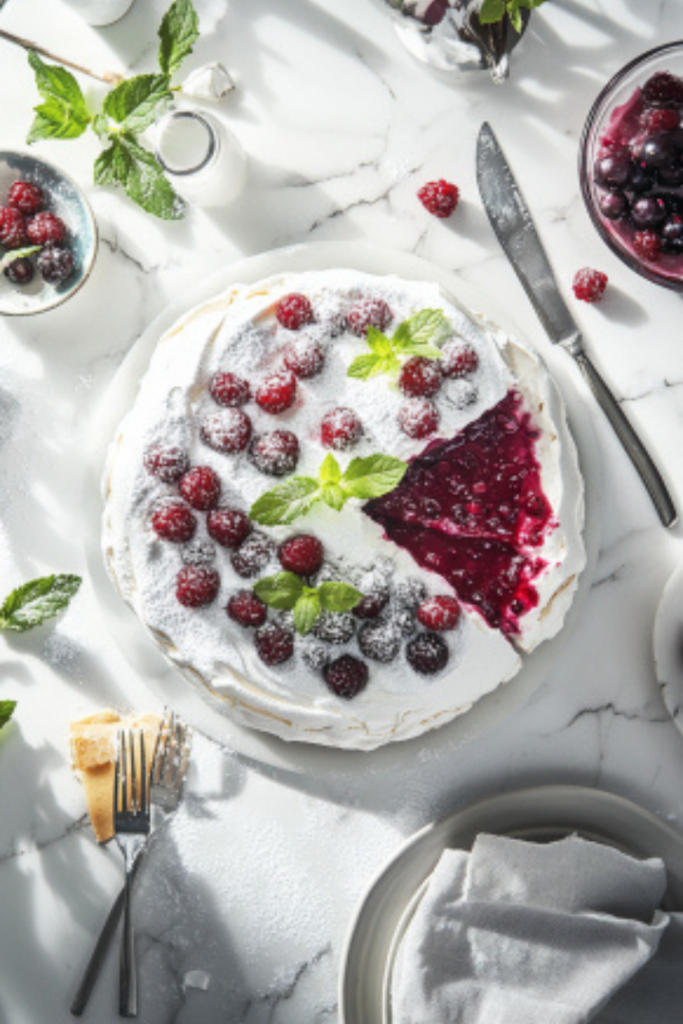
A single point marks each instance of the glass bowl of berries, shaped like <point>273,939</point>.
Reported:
<point>48,235</point>
<point>631,164</point>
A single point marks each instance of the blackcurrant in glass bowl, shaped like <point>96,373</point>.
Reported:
<point>631,164</point>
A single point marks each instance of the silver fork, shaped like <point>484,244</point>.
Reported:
<point>169,768</point>
<point>131,832</point>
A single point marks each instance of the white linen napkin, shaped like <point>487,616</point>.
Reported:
<point>527,933</point>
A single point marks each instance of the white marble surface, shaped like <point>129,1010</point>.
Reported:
<point>263,867</point>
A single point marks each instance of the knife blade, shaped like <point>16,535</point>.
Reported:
<point>514,227</point>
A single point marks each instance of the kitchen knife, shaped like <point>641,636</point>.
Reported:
<point>515,230</point>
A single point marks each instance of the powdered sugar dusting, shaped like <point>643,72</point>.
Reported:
<point>240,334</point>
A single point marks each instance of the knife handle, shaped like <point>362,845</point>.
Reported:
<point>635,449</point>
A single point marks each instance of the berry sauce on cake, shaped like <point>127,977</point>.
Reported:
<point>344,505</point>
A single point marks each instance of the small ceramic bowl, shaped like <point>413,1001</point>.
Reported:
<point>65,199</point>
<point>615,125</point>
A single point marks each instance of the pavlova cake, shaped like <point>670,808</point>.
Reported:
<point>344,506</point>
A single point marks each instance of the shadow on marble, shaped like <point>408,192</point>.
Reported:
<point>620,308</point>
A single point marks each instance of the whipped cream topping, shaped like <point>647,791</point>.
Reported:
<point>238,332</point>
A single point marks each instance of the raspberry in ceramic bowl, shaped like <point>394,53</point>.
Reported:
<point>47,221</point>
<point>631,165</point>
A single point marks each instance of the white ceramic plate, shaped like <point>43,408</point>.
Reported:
<point>668,646</point>
<point>194,702</point>
<point>537,815</point>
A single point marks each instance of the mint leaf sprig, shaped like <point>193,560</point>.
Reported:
<point>288,591</point>
<point>6,711</point>
<point>127,111</point>
<point>413,337</point>
<point>368,477</point>
<point>34,602</point>
<point>495,10</point>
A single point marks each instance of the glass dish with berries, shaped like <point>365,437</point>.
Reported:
<point>48,236</point>
<point>631,164</point>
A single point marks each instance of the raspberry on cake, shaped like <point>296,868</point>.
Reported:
<point>201,488</point>
<point>302,555</point>
<point>227,430</point>
<point>340,429</point>
<point>228,526</point>
<point>174,521</point>
<point>229,389</point>
<point>277,392</point>
<point>395,606</point>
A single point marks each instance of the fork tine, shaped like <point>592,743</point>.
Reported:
<point>160,745</point>
<point>144,781</point>
<point>123,751</point>
<point>117,772</point>
<point>134,791</point>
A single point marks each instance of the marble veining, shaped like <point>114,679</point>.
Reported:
<point>244,903</point>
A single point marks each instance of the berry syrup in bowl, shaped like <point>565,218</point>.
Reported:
<point>631,165</point>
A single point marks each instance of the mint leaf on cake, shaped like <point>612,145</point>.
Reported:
<point>364,478</point>
<point>413,337</point>
<point>287,591</point>
<point>34,602</point>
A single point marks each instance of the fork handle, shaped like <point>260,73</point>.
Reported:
<point>99,954</point>
<point>128,978</point>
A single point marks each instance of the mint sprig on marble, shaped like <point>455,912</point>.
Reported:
<point>34,602</point>
<point>287,591</point>
<point>6,711</point>
<point>412,337</point>
<point>127,111</point>
<point>364,478</point>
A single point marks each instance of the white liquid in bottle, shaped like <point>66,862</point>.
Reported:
<point>202,159</point>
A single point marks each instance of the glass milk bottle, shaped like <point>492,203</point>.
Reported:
<point>202,158</point>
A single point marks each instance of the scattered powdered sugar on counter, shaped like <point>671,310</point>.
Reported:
<point>238,332</point>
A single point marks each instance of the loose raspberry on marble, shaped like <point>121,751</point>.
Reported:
<point>647,245</point>
<point>420,377</point>
<point>277,392</point>
<point>197,586</point>
<point>439,197</point>
<point>439,613</point>
<point>229,389</point>
<point>304,357</point>
<point>228,526</point>
<point>247,609</point>
<point>380,641</point>
<point>12,228</point>
<point>664,120</point>
<point>275,453</point>
<point>427,653</point>
<point>46,227</point>
<point>274,645</point>
<point>55,263</point>
<point>346,676</point>
<point>173,520</point>
<point>26,196</point>
<point>227,431</point>
<point>293,311</point>
<point>253,555</point>
<point>418,417</point>
<point>167,462</point>
<point>589,285</point>
<point>302,554</point>
<point>201,488</point>
<point>340,429</point>
<point>458,359</point>
<point>369,313</point>
<point>663,90</point>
